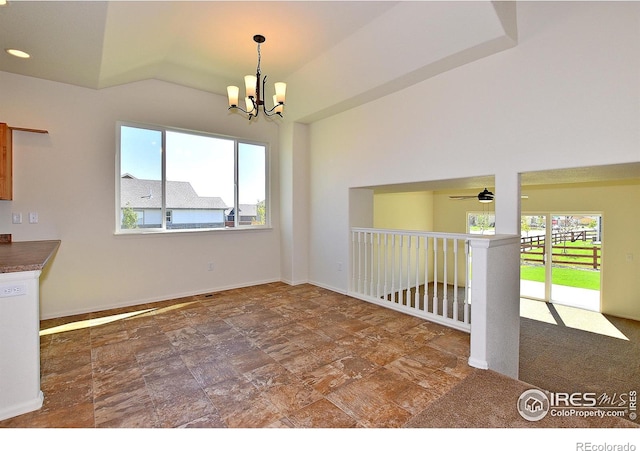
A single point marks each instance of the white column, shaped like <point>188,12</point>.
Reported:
<point>495,304</point>
<point>294,202</point>
<point>507,203</point>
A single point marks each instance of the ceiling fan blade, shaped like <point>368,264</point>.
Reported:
<point>484,194</point>
<point>462,197</point>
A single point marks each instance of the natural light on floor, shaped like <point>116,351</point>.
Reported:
<point>107,319</point>
<point>572,317</point>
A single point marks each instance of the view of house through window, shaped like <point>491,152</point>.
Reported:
<point>179,180</point>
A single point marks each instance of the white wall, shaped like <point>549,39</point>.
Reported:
<point>566,96</point>
<point>68,177</point>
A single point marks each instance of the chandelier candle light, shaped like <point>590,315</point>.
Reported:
<point>253,98</point>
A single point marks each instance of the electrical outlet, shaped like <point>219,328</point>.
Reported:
<point>210,266</point>
<point>18,289</point>
<point>339,266</point>
<point>33,218</point>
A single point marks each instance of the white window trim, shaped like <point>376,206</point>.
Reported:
<point>163,230</point>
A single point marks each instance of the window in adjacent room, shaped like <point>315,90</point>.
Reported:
<point>481,222</point>
<point>171,179</point>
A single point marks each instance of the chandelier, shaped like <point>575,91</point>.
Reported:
<point>254,100</point>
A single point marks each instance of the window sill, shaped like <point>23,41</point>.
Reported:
<point>155,232</point>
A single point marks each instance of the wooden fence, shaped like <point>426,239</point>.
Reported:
<point>533,249</point>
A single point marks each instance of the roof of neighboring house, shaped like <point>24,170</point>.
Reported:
<point>140,193</point>
<point>246,210</point>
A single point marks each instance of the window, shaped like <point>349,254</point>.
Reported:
<point>170,179</point>
<point>482,223</point>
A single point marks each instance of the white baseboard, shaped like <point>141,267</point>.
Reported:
<point>133,303</point>
<point>480,364</point>
<point>327,287</point>
<point>22,408</point>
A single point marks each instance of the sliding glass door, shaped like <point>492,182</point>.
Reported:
<point>561,259</point>
<point>533,270</point>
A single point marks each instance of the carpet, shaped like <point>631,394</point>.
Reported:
<point>486,399</point>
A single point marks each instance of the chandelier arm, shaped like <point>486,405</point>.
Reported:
<point>250,112</point>
<point>270,111</point>
<point>240,108</point>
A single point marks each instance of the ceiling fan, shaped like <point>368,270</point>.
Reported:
<point>485,196</point>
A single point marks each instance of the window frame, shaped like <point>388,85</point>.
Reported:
<point>237,142</point>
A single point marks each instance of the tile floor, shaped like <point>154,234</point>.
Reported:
<point>272,356</point>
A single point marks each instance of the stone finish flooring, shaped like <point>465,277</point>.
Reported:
<point>270,356</point>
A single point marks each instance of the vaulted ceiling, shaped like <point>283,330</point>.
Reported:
<point>334,55</point>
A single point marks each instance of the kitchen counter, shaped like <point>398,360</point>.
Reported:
<point>26,255</point>
<point>21,264</point>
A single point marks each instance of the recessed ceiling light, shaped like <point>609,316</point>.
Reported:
<point>18,53</point>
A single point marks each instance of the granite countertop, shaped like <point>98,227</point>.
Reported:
<point>26,255</point>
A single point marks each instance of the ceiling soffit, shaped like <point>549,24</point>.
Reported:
<point>334,55</point>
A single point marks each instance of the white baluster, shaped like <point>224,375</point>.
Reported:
<point>407,294</point>
<point>379,265</point>
<point>435,276</point>
<point>386,261</point>
<point>366,261</point>
<point>426,274</point>
<point>353,259</point>
<point>371,278</point>
<point>359,262</point>
<point>416,296</point>
<point>455,279</point>
<point>445,281</point>
<point>393,267</point>
<point>400,247</point>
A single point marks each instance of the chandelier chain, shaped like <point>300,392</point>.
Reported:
<point>259,58</point>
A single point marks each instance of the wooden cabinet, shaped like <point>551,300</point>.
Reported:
<point>6,165</point>
<point>6,158</point>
